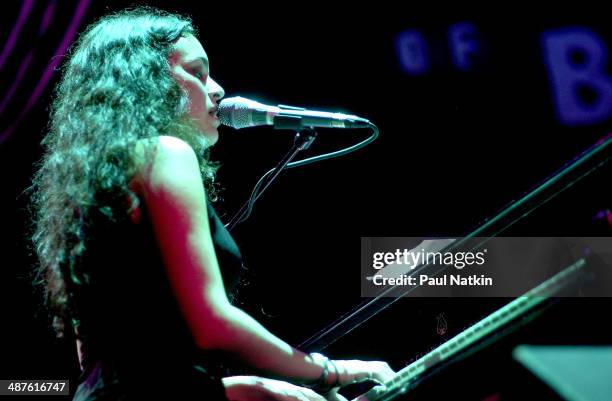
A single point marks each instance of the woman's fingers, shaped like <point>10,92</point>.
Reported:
<point>351,371</point>
<point>283,391</point>
<point>310,394</point>
<point>333,395</point>
<point>253,388</point>
<point>381,372</point>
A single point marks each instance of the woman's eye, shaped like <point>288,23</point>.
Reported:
<point>198,74</point>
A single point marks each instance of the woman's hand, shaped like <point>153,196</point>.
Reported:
<point>253,388</point>
<point>339,373</point>
<point>352,371</point>
<point>334,395</point>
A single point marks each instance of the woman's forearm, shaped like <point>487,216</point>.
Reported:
<point>238,334</point>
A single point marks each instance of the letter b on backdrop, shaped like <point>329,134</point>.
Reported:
<point>582,91</point>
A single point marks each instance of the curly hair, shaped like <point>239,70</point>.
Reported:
<point>115,89</point>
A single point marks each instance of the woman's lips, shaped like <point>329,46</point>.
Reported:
<point>214,114</point>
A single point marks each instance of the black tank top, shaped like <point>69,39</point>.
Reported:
<point>136,343</point>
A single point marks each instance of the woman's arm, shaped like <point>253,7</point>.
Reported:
<point>252,388</point>
<point>172,188</point>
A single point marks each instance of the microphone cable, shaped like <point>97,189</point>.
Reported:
<point>247,208</point>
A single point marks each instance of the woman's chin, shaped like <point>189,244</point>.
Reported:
<point>210,137</point>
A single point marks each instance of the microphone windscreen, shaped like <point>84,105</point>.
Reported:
<point>235,112</point>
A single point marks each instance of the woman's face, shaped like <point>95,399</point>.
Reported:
<point>189,66</point>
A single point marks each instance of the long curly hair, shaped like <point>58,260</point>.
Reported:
<point>115,89</point>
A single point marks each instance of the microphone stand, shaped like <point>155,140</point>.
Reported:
<point>304,137</point>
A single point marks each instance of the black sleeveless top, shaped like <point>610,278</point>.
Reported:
<point>136,343</point>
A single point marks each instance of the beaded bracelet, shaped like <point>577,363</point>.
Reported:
<point>321,385</point>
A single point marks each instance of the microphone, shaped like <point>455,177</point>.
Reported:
<point>238,112</point>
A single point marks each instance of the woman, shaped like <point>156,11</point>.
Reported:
<point>132,254</point>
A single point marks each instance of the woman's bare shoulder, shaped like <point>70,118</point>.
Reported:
<point>159,149</point>
<point>162,158</point>
<point>163,164</point>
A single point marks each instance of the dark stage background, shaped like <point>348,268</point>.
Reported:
<point>474,110</point>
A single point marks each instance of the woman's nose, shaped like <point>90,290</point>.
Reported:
<point>215,90</point>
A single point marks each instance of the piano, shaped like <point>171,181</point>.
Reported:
<point>472,350</point>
